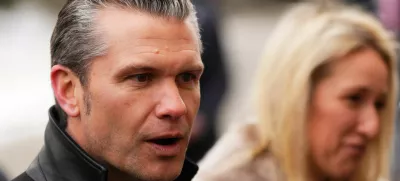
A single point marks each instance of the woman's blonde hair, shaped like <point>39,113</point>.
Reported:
<point>297,54</point>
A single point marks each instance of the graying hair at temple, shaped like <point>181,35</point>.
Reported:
<point>75,40</point>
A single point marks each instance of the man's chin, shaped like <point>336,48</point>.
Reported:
<point>162,177</point>
<point>163,170</point>
<point>165,175</point>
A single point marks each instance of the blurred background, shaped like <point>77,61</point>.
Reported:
<point>234,32</point>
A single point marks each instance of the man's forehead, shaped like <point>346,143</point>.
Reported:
<point>163,44</point>
<point>120,23</point>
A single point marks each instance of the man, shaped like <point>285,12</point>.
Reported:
<point>125,75</point>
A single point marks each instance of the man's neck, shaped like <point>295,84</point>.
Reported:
<point>115,174</point>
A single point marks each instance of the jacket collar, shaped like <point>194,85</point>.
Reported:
<point>61,158</point>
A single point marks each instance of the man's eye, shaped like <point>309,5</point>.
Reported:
<point>141,78</point>
<point>187,77</point>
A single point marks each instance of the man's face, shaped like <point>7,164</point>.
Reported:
<point>143,95</point>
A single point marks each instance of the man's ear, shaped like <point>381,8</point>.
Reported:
<point>64,83</point>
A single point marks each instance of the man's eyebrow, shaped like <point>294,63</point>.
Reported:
<point>134,68</point>
<point>196,66</point>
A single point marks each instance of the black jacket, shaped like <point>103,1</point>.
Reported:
<point>61,159</point>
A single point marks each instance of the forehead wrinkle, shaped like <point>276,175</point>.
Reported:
<point>152,41</point>
<point>163,39</point>
<point>161,52</point>
<point>156,43</point>
<point>148,54</point>
<point>158,46</point>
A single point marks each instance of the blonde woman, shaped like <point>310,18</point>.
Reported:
<point>326,99</point>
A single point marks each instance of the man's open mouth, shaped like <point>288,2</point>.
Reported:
<point>165,141</point>
<point>167,145</point>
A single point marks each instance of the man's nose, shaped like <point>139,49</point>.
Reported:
<point>369,123</point>
<point>171,105</point>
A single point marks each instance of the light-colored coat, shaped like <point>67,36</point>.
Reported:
<point>230,159</point>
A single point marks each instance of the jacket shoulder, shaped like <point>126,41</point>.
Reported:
<point>23,177</point>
